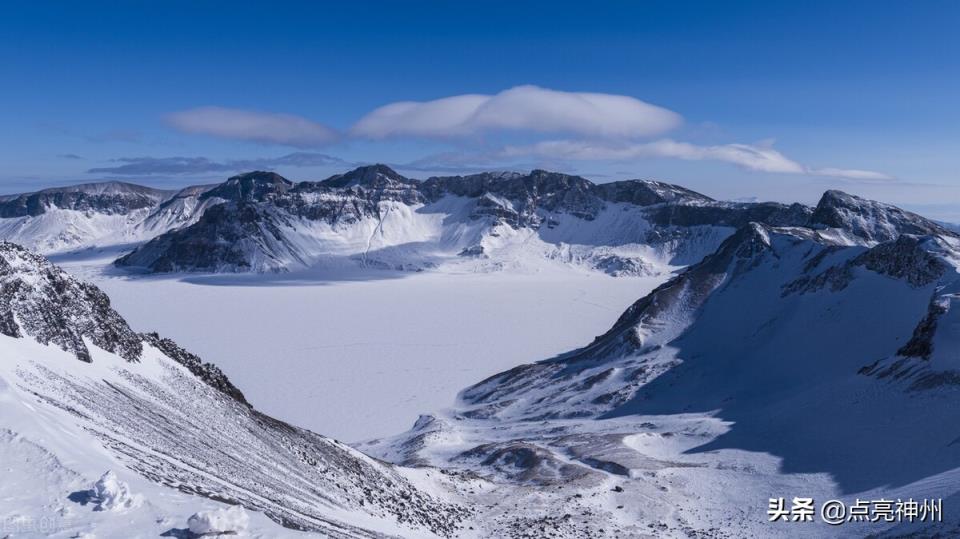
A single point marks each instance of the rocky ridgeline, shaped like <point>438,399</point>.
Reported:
<point>608,372</point>
<point>39,300</point>
<point>255,228</point>
<point>260,221</point>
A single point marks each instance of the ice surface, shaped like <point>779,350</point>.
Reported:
<point>361,355</point>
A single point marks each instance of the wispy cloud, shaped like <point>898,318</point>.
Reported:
<point>71,156</point>
<point>260,127</point>
<point>756,157</point>
<point>192,166</point>
<point>522,108</point>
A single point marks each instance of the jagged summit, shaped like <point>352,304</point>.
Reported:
<point>649,192</point>
<point>250,186</point>
<point>537,182</point>
<point>369,177</point>
<point>261,222</point>
<point>39,300</point>
<point>869,220</point>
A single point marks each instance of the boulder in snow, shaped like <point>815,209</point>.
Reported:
<point>232,520</point>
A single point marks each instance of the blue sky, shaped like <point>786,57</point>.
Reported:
<point>750,99</point>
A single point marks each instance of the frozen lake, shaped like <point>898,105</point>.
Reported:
<point>362,355</point>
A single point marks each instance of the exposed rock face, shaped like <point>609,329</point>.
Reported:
<point>233,236</point>
<point>39,300</point>
<point>107,198</point>
<point>375,178</point>
<point>539,190</point>
<point>913,259</point>
<point>251,187</point>
<point>731,214</point>
<point>869,220</point>
<point>209,373</point>
<point>523,463</point>
<point>649,193</point>
<point>920,344</point>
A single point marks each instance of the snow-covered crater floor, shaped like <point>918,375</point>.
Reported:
<point>360,355</point>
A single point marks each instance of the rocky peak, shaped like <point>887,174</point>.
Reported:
<point>873,222</point>
<point>39,300</point>
<point>648,193</point>
<point>369,177</point>
<point>744,246</point>
<point>918,260</point>
<point>552,191</point>
<point>250,186</point>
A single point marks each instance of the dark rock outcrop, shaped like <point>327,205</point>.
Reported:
<point>870,220</point>
<point>39,300</point>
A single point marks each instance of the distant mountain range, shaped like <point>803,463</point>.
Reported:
<point>374,217</point>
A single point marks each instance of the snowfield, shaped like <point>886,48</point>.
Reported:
<point>362,354</point>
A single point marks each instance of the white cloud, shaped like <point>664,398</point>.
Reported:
<point>852,174</point>
<point>522,108</point>
<point>762,158</point>
<point>262,127</point>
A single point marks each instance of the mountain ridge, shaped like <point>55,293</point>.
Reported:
<point>373,216</point>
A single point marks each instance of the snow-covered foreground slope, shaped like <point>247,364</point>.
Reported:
<point>50,464</point>
<point>787,364</point>
<point>82,391</point>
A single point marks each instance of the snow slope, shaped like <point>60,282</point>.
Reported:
<point>74,370</point>
<point>96,215</point>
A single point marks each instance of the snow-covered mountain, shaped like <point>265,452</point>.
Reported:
<point>817,360</point>
<point>140,403</point>
<point>373,216</point>
<point>96,215</point>
<point>812,352</point>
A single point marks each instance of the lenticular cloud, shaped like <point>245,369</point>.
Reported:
<point>262,127</point>
<point>523,108</point>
